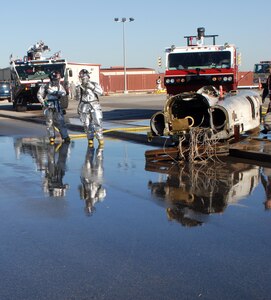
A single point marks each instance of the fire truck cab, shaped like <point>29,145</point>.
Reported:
<point>29,73</point>
<point>196,65</point>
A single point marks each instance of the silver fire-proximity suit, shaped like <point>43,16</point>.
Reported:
<point>91,189</point>
<point>89,108</point>
<point>49,96</point>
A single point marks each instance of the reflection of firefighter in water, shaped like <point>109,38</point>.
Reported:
<point>92,190</point>
<point>57,156</point>
<point>266,182</point>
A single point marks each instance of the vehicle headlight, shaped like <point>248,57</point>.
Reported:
<point>229,78</point>
<point>225,78</point>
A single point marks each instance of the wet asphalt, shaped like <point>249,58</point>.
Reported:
<point>90,223</point>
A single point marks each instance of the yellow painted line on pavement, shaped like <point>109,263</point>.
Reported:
<point>130,129</point>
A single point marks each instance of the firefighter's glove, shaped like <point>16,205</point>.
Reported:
<point>91,86</point>
<point>45,103</point>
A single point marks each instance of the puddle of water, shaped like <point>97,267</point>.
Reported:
<point>105,221</point>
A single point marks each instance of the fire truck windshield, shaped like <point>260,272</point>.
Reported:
<point>203,60</point>
<point>37,72</point>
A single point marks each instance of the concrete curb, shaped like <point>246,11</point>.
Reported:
<point>124,135</point>
<point>251,155</point>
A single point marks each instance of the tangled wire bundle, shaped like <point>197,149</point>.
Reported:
<point>200,147</point>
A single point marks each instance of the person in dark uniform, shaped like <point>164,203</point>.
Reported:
<point>267,91</point>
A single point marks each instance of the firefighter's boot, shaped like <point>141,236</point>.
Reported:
<point>101,143</point>
<point>90,143</point>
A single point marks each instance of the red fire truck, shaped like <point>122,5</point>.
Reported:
<point>196,65</point>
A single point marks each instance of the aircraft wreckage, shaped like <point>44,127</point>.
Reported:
<point>207,116</point>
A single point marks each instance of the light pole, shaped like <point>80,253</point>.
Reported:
<point>123,20</point>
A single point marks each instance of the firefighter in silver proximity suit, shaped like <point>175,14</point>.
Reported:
<point>49,96</point>
<point>91,189</point>
<point>89,109</point>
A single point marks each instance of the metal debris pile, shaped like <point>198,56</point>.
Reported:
<point>199,148</point>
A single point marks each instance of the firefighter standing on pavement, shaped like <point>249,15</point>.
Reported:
<point>89,109</point>
<point>267,117</point>
<point>49,96</point>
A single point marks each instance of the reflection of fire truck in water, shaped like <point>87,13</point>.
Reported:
<point>261,73</point>
<point>196,65</point>
<point>29,73</point>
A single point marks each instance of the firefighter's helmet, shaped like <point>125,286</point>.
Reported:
<point>55,75</point>
<point>83,73</point>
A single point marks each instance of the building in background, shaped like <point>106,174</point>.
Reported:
<point>138,79</point>
<point>145,80</point>
<point>245,79</point>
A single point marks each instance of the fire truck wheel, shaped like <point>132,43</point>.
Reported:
<point>21,108</point>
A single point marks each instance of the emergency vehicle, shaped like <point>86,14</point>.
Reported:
<point>261,72</point>
<point>29,73</point>
<point>191,67</point>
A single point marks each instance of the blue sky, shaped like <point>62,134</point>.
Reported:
<point>85,30</point>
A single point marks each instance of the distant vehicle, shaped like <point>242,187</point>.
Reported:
<point>191,67</point>
<point>5,91</point>
<point>5,74</point>
<point>261,73</point>
<point>29,73</point>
